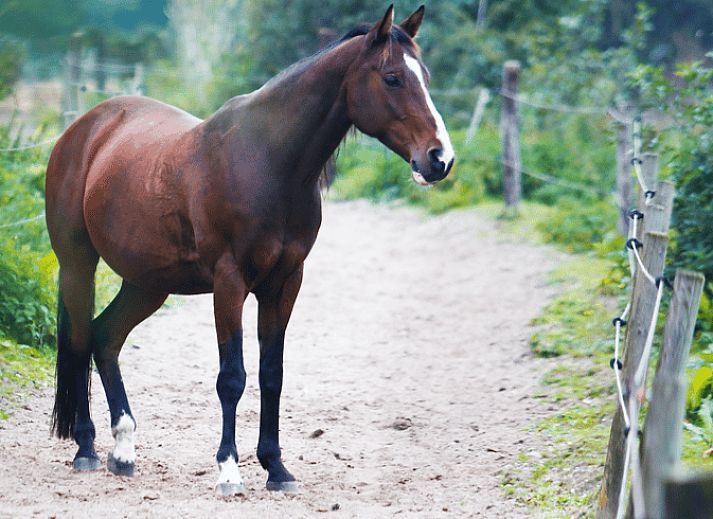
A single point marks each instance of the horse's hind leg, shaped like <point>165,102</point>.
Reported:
<point>75,306</point>
<point>109,331</point>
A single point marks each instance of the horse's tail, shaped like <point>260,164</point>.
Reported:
<point>72,368</point>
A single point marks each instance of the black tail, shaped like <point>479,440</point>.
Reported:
<point>73,369</point>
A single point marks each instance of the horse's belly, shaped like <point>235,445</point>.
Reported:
<point>144,238</point>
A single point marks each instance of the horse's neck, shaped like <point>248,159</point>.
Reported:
<point>301,116</point>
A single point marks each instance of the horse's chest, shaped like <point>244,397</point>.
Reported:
<point>272,259</point>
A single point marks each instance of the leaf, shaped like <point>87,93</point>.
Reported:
<point>702,378</point>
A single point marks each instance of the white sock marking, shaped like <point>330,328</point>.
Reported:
<point>123,434</point>
<point>441,132</point>
<point>229,472</point>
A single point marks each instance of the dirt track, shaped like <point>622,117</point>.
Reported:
<point>407,347</point>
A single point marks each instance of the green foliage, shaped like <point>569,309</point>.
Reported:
<point>22,368</point>
<point>581,227</point>
<point>688,157</point>
<point>11,58</point>
<point>688,153</point>
<point>703,433</point>
<point>27,266</point>
<point>28,294</point>
<point>577,322</point>
<point>561,478</point>
<point>47,24</point>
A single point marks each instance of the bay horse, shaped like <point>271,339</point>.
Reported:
<point>229,205</point>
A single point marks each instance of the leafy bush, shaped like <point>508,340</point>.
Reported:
<point>11,58</point>
<point>688,157</point>
<point>27,266</point>
<point>28,294</point>
<point>580,227</point>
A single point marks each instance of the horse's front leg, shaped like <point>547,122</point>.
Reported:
<point>274,309</point>
<point>229,297</point>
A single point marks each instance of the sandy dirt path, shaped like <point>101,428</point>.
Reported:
<point>408,347</point>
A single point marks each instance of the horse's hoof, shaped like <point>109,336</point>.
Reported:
<point>230,489</point>
<point>289,487</point>
<point>86,464</point>
<point>119,468</point>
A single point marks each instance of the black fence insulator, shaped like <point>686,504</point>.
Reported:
<point>633,242</point>
<point>619,320</point>
<point>636,160</point>
<point>635,214</point>
<point>665,281</point>
<point>615,362</point>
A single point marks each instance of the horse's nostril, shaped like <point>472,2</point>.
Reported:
<point>434,157</point>
<point>449,166</point>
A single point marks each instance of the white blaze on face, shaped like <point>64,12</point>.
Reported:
<point>123,433</point>
<point>441,132</point>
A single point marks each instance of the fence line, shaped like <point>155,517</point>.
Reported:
<point>28,146</point>
<point>624,459</point>
<point>23,221</point>
<point>555,107</point>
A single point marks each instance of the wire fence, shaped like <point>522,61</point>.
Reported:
<point>630,398</point>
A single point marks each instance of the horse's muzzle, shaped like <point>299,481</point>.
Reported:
<point>435,170</point>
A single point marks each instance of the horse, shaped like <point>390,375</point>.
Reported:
<point>229,205</point>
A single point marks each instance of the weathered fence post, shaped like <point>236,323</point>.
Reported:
<point>100,72</point>
<point>690,497</point>
<point>509,128</point>
<point>477,116</point>
<point>623,176</point>
<point>642,306</point>
<point>73,77</point>
<point>649,172</point>
<point>661,449</point>
<point>137,83</point>
<point>657,215</point>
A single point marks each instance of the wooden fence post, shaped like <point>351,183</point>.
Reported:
<point>657,215</point>
<point>690,497</point>
<point>661,449</point>
<point>649,170</point>
<point>512,183</point>
<point>477,116</point>
<point>137,83</point>
<point>642,307</point>
<point>100,72</point>
<point>623,176</point>
<point>73,77</point>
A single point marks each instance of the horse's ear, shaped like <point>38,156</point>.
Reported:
<point>381,30</point>
<point>412,24</point>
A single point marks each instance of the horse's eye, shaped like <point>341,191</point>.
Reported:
<point>392,80</point>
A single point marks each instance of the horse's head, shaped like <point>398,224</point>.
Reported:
<point>387,97</point>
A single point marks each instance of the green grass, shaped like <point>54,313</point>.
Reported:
<point>561,479</point>
<point>26,368</point>
<point>23,369</point>
<point>575,332</point>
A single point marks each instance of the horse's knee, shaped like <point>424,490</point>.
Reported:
<point>231,384</point>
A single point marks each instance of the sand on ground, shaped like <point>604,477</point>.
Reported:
<point>408,348</point>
